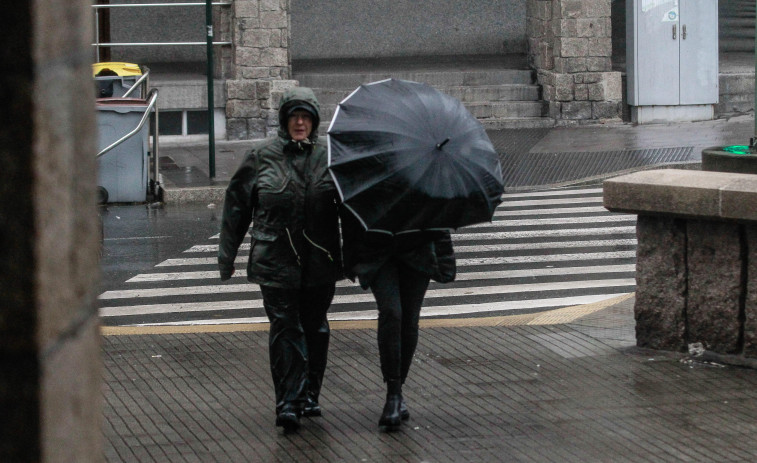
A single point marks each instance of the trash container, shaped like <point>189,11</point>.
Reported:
<point>124,169</point>
<point>114,79</point>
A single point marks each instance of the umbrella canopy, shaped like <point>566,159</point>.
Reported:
<point>407,157</point>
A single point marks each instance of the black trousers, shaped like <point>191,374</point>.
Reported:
<point>298,341</point>
<point>399,292</point>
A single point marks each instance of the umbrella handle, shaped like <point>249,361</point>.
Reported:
<point>440,145</point>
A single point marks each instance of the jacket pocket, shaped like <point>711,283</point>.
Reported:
<point>262,236</point>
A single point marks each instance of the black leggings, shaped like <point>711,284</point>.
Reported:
<point>399,292</point>
<point>298,341</point>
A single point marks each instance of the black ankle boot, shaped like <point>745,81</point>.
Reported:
<point>391,416</point>
<point>288,418</point>
<point>311,407</point>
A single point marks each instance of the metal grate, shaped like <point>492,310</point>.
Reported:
<point>522,169</point>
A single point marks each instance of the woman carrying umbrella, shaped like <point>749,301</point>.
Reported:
<point>284,188</point>
<point>410,163</point>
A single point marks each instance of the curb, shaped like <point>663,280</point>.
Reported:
<point>207,194</point>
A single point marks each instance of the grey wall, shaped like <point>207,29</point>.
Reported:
<point>381,28</point>
<point>158,24</point>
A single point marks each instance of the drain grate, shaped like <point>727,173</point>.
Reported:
<point>522,169</point>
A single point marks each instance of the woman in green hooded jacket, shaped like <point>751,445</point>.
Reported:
<point>283,187</point>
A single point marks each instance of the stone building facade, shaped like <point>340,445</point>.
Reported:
<point>569,44</point>
<point>570,47</point>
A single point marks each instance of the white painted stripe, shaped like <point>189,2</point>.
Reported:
<point>443,292</point>
<point>553,258</point>
<point>541,272</point>
<point>151,309</point>
<point>131,238</point>
<point>550,202</point>
<point>461,276</point>
<point>556,221</point>
<point>486,247</point>
<point>501,212</point>
<point>242,259</point>
<point>465,236</point>
<point>432,311</point>
<point>572,191</point>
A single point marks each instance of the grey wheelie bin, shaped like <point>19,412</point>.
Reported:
<point>123,148</point>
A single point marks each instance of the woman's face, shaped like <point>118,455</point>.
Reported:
<point>300,124</point>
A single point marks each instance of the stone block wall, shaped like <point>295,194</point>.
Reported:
<point>696,266</point>
<point>261,67</point>
<point>570,46</point>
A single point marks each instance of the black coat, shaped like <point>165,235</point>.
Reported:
<point>285,189</point>
<point>429,252</point>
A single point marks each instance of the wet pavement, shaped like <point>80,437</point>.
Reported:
<point>564,155</point>
<point>563,386</point>
<point>566,385</point>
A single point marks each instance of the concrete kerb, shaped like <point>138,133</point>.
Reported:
<point>207,194</point>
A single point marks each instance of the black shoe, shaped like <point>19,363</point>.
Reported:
<point>289,419</point>
<point>311,408</point>
<point>404,413</point>
<point>391,417</point>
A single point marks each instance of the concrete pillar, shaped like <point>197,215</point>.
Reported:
<point>570,46</point>
<point>50,393</point>
<point>262,67</point>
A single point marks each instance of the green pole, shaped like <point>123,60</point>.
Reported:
<point>211,101</point>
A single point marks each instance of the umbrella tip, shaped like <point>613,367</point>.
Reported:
<point>440,145</point>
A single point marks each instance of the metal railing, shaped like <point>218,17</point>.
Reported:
<point>209,43</point>
<point>97,44</point>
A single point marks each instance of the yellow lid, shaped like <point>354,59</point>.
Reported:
<point>121,69</point>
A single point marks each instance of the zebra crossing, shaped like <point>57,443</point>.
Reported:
<point>543,250</point>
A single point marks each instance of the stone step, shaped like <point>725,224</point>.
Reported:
<point>480,110</point>
<point>724,24</point>
<point>736,44</point>
<point>449,78</point>
<point>483,93</point>
<point>736,94</point>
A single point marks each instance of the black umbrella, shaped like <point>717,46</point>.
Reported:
<point>408,157</point>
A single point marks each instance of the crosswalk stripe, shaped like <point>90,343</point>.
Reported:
<point>555,221</point>
<point>364,297</point>
<point>566,192</point>
<point>464,276</point>
<point>430,311</point>
<point>208,248</point>
<point>242,259</point>
<point>444,292</point>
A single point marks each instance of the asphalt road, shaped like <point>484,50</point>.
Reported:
<point>543,250</point>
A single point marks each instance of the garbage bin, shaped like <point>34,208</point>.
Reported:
<point>114,79</point>
<point>124,169</point>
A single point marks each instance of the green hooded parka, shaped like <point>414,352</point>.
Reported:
<point>285,189</point>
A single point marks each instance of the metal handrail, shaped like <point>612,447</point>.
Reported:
<point>98,7</point>
<point>136,84</point>
<point>131,5</point>
<point>145,116</point>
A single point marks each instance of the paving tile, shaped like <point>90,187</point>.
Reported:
<point>579,392</point>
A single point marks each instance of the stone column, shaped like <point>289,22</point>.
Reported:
<point>262,67</point>
<point>50,386</point>
<point>570,46</point>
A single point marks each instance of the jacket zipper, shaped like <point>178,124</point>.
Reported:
<point>328,254</point>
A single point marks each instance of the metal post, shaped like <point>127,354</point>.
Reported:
<point>211,101</point>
